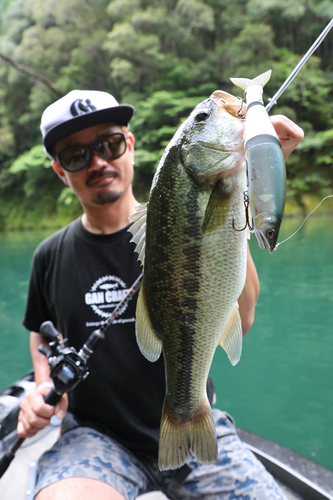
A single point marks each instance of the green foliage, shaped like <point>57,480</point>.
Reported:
<point>33,170</point>
<point>32,197</point>
<point>34,159</point>
<point>250,50</point>
<point>162,56</point>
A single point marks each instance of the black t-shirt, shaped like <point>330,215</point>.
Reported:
<point>77,278</point>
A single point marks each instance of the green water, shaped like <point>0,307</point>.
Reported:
<point>16,251</point>
<point>282,388</point>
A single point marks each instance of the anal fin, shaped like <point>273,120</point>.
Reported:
<point>232,338</point>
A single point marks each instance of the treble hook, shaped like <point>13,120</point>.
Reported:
<point>239,112</point>
<point>247,223</point>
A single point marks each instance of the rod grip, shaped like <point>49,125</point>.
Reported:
<point>5,462</point>
<point>52,398</point>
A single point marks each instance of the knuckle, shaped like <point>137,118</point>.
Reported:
<point>33,422</point>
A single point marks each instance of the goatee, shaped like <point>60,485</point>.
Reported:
<point>104,198</point>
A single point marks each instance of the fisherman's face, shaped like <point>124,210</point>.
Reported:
<point>101,181</point>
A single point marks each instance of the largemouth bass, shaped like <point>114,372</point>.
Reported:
<point>194,270</point>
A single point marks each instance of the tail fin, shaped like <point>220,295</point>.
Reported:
<point>244,83</point>
<point>179,439</point>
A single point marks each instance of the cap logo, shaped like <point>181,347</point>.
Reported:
<point>80,107</point>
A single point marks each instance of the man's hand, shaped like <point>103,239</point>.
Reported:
<point>35,414</point>
<point>290,134</point>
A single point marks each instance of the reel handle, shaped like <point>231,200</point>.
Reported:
<point>47,328</point>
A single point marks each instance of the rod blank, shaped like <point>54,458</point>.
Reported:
<point>294,73</point>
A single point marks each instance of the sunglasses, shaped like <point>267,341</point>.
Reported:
<point>109,147</point>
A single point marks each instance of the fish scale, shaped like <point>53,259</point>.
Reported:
<point>194,271</point>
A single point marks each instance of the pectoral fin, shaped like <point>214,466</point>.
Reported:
<point>232,338</point>
<point>148,342</point>
<point>217,208</point>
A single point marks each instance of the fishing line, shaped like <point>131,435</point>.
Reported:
<point>330,196</point>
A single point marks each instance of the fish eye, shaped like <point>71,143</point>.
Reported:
<point>202,116</point>
<point>270,233</point>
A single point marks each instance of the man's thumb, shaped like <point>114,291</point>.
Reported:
<point>61,408</point>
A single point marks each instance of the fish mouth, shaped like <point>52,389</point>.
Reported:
<point>233,105</point>
<point>221,149</point>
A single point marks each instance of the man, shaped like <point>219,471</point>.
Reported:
<point>109,442</point>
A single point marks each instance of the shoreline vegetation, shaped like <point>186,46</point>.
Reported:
<point>292,210</point>
<point>55,217</point>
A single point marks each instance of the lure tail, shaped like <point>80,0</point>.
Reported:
<point>244,83</point>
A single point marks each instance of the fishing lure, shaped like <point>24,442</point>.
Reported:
<point>266,171</point>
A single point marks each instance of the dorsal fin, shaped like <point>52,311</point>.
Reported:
<point>138,229</point>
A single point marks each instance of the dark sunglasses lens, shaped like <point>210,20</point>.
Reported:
<point>76,158</point>
<point>112,147</point>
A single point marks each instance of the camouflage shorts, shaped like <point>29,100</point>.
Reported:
<point>84,452</point>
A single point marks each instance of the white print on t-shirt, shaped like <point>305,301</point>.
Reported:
<point>105,295</point>
<point>95,324</point>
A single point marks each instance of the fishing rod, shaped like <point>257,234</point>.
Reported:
<point>67,366</point>
<point>294,73</point>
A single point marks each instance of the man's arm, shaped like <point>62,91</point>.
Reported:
<point>290,135</point>
<point>35,414</point>
<point>249,296</point>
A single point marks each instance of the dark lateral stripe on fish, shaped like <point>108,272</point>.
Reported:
<point>189,303</point>
<point>220,205</point>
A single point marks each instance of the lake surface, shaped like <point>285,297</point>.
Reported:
<point>282,387</point>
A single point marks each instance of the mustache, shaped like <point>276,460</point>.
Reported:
<point>101,173</point>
